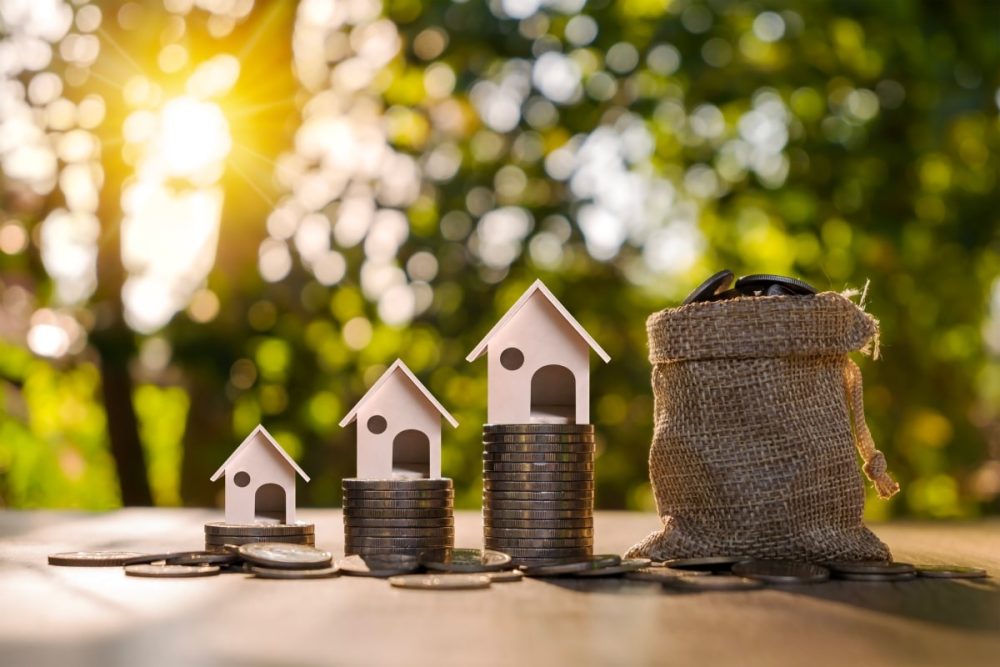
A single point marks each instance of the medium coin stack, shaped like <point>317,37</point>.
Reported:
<point>538,491</point>
<point>398,516</point>
<point>219,533</point>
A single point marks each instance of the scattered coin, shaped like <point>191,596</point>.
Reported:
<point>280,573</point>
<point>881,577</point>
<point>951,572</point>
<point>662,574</point>
<point>782,571</point>
<point>556,569</point>
<point>465,560</point>
<point>92,558</point>
<point>704,564</point>
<point>716,283</point>
<point>388,565</point>
<point>184,558</point>
<point>719,582</point>
<point>170,571</point>
<point>838,568</point>
<point>505,576</point>
<point>761,282</point>
<point>259,529</point>
<point>627,565</point>
<point>441,582</point>
<point>283,555</point>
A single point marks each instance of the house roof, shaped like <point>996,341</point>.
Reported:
<point>400,366</point>
<point>271,441</point>
<point>537,287</point>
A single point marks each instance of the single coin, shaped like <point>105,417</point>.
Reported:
<point>524,515</point>
<point>557,568</point>
<point>499,466</point>
<point>627,565</point>
<point>259,529</point>
<point>505,576</point>
<point>839,567</point>
<point>782,571</point>
<point>557,524</point>
<point>504,543</point>
<point>280,573</point>
<point>441,582</point>
<point>585,476</point>
<point>537,428</point>
<point>531,487</point>
<point>92,558</point>
<point>539,442</point>
<point>364,494</point>
<point>550,533</point>
<point>874,578</point>
<point>351,484</point>
<point>718,582</point>
<point>464,560</point>
<point>662,574</point>
<point>399,532</point>
<point>184,558</point>
<point>761,281</point>
<point>170,571</point>
<point>392,504</point>
<point>538,495</point>
<point>362,522</point>
<point>388,565</point>
<point>539,457</point>
<point>704,564</point>
<point>951,572</point>
<point>494,504</point>
<point>716,283</point>
<point>284,555</point>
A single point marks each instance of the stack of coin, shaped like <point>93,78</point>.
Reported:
<point>538,491</point>
<point>219,533</point>
<point>398,516</point>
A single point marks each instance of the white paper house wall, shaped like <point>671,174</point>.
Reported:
<point>260,481</point>
<point>538,363</point>
<point>399,428</point>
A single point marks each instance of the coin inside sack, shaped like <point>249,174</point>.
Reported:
<point>703,564</point>
<point>782,571</point>
<point>92,558</point>
<point>171,571</point>
<point>571,566</point>
<point>719,582</point>
<point>715,283</point>
<point>441,582</point>
<point>465,560</point>
<point>279,573</point>
<point>283,555</point>
<point>387,565</point>
<point>762,281</point>
<point>951,572</point>
<point>868,567</point>
<point>627,565</point>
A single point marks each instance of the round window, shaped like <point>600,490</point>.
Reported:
<point>377,424</point>
<point>241,479</point>
<point>512,358</point>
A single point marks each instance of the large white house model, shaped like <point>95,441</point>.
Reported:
<point>260,481</point>
<point>538,363</point>
<point>399,428</point>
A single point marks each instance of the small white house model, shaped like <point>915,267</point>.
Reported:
<point>538,363</point>
<point>399,428</point>
<point>260,481</point>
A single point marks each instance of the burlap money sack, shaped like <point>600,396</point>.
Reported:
<point>758,411</point>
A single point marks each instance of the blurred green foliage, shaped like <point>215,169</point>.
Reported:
<point>891,167</point>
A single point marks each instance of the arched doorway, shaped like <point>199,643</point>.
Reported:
<point>553,395</point>
<point>411,454</point>
<point>269,503</point>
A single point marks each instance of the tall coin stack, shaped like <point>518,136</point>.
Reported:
<point>394,516</point>
<point>219,533</point>
<point>538,490</point>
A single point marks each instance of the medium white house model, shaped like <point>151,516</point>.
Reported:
<point>260,481</point>
<point>538,363</point>
<point>399,428</point>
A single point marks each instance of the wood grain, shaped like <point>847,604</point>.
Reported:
<point>80,616</point>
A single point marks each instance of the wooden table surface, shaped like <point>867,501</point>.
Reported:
<point>98,616</point>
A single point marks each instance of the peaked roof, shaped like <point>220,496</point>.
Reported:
<point>538,287</point>
<point>271,441</point>
<point>400,366</point>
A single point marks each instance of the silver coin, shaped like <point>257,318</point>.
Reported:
<point>362,543</point>
<point>279,573</point>
<point>951,572</point>
<point>465,560</point>
<point>259,529</point>
<point>537,467</point>
<point>364,494</point>
<point>171,571</point>
<point>283,555</point>
<point>535,448</point>
<point>378,566</point>
<point>584,476</point>
<point>368,513</point>
<point>351,484</point>
<point>627,565</point>
<point>362,522</point>
<point>538,457</point>
<point>441,582</point>
<point>441,503</point>
<point>505,576</point>
<point>538,495</point>
<point>538,505</point>
<point>662,574</point>
<point>399,532</point>
<point>884,577</point>
<point>532,524</point>
<point>548,556</point>
<point>718,582</point>
<point>527,515</point>
<point>243,539</point>
<point>92,558</point>
<point>181,558</point>
<point>537,533</point>
<point>555,569</point>
<point>532,487</point>
<point>704,564</point>
<point>782,571</point>
<point>504,543</point>
<point>538,428</point>
<point>868,567</point>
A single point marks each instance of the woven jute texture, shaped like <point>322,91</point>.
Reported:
<point>758,412</point>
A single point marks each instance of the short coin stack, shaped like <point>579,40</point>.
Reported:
<point>398,516</point>
<point>538,491</point>
<point>219,533</point>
